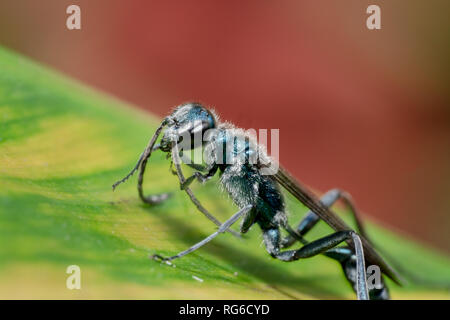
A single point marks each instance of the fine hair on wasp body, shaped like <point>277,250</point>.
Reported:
<point>242,165</point>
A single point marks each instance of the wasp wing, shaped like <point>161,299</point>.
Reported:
<point>285,179</point>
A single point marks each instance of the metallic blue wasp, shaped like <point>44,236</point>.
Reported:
<point>239,160</point>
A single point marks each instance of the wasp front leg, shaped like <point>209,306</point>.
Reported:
<point>202,178</point>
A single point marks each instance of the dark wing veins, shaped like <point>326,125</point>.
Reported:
<point>285,179</point>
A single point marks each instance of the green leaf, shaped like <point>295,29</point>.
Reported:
<point>62,145</point>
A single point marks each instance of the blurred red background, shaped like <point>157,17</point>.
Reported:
<point>365,111</point>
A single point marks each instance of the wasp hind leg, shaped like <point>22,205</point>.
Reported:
<point>311,219</point>
<point>272,242</point>
<point>344,255</point>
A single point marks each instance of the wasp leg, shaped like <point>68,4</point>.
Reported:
<point>202,178</point>
<point>346,257</point>
<point>311,219</point>
<point>190,193</point>
<point>223,228</point>
<point>197,167</point>
<point>272,242</point>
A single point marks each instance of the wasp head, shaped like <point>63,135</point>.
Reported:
<point>186,126</point>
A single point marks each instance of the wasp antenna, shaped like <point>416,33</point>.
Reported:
<point>143,162</point>
<point>130,174</point>
<point>148,150</point>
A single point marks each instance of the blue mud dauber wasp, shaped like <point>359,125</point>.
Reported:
<point>258,196</point>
